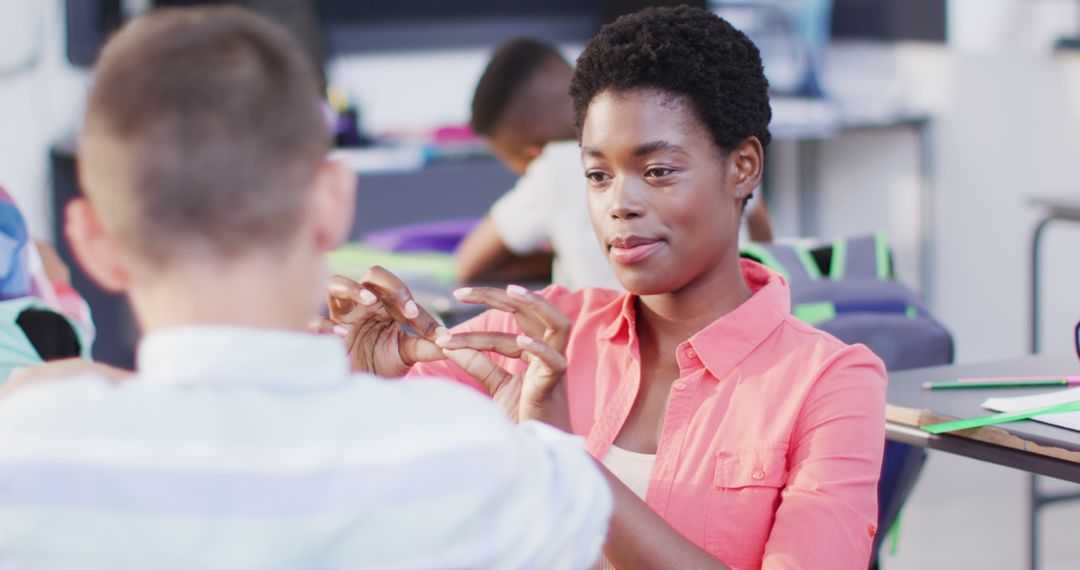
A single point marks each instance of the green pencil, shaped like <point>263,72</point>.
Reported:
<point>999,384</point>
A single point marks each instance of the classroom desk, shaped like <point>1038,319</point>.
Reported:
<point>1028,445</point>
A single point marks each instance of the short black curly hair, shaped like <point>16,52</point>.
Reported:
<point>511,66</point>
<point>685,51</point>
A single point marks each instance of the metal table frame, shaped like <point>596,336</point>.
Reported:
<point>1054,211</point>
<point>982,451</point>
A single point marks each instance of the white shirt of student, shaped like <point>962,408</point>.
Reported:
<point>243,448</point>
<point>548,208</point>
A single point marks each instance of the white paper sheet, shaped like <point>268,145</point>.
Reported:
<point>1070,420</point>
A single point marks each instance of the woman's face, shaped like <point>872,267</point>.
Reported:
<point>665,201</point>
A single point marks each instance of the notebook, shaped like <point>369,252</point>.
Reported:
<point>1069,420</point>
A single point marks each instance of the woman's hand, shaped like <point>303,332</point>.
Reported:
<point>538,393</point>
<point>369,315</point>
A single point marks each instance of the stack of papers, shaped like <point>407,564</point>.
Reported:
<point>1069,420</point>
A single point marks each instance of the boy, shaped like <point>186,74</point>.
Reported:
<point>242,441</point>
<point>522,107</point>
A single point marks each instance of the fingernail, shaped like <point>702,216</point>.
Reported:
<point>341,330</point>
<point>443,339</point>
<point>440,331</point>
<point>524,341</point>
<point>411,310</point>
<point>367,297</point>
<point>463,292</point>
<point>516,290</point>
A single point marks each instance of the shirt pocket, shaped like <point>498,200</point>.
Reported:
<point>742,502</point>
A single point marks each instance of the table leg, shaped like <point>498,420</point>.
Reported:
<point>927,210</point>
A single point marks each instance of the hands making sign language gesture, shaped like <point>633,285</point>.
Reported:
<point>370,315</point>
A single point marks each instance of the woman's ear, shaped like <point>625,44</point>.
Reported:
<point>333,204</point>
<point>747,164</point>
<point>95,250</point>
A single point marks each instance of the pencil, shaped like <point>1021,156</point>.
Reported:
<point>968,385</point>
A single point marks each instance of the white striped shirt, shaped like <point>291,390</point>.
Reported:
<point>242,448</point>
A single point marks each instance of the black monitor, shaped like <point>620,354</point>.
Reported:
<point>350,26</point>
<point>89,22</point>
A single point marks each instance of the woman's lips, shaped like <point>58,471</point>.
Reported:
<point>633,250</point>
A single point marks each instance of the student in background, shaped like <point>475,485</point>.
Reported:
<point>733,434</point>
<point>522,107</point>
<point>243,441</point>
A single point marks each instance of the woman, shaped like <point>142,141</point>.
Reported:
<point>735,435</point>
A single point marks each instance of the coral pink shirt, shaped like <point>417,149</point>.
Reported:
<point>771,445</point>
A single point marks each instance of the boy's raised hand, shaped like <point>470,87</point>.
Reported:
<point>369,314</point>
<point>538,393</point>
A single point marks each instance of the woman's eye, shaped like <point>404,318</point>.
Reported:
<point>596,176</point>
<point>658,172</point>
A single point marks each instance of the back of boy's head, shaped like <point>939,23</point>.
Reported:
<point>502,94</point>
<point>685,51</point>
<point>203,132</point>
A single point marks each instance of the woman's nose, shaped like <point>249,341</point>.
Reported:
<point>626,200</point>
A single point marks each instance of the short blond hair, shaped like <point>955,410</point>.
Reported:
<point>214,123</point>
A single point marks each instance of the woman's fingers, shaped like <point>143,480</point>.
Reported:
<point>479,366</point>
<point>413,349</point>
<point>322,325</point>
<point>513,346</point>
<point>555,321</point>
<point>397,298</point>
<point>551,359</point>
<point>502,343</point>
<point>351,302</point>
<point>500,300</point>
<point>537,317</point>
<point>378,294</point>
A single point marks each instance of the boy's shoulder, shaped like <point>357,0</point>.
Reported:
<point>91,408</point>
<point>428,401</point>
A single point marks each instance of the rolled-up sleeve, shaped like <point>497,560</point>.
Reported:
<point>827,516</point>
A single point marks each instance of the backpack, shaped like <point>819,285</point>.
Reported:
<point>849,290</point>
<point>31,331</point>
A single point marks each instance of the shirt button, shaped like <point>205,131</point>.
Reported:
<point>679,385</point>
<point>871,530</point>
<point>691,354</point>
<point>758,474</point>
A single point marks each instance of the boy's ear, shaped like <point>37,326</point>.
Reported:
<point>96,251</point>
<point>333,204</point>
<point>747,165</point>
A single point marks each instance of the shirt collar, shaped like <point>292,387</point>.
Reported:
<point>726,341</point>
<point>221,355</point>
<point>624,320</point>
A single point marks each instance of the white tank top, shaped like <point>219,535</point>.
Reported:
<point>634,470</point>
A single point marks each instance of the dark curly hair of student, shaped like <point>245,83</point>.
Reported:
<point>512,64</point>
<point>685,51</point>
